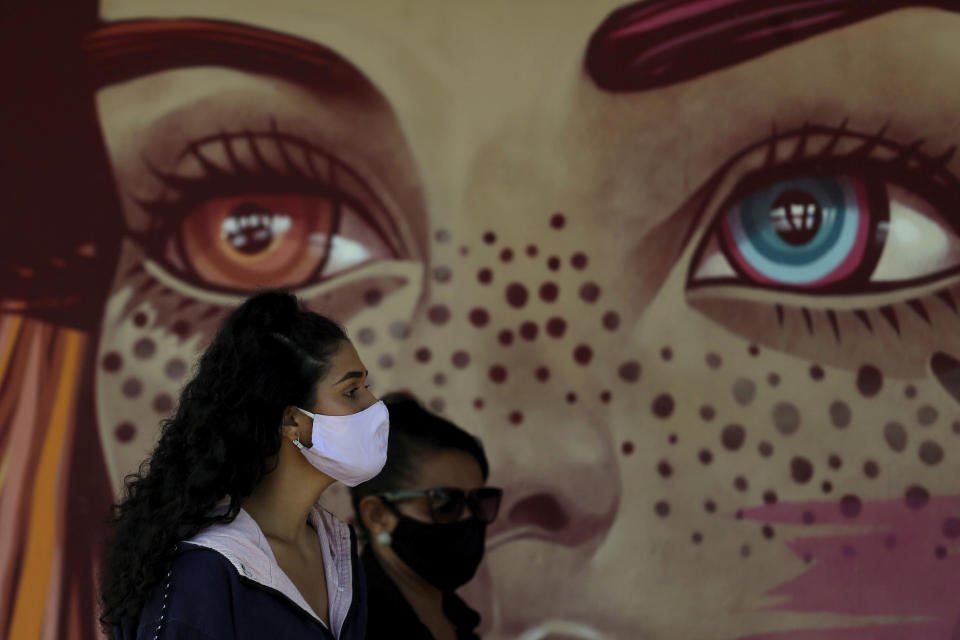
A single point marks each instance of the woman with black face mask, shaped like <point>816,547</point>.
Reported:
<point>425,518</point>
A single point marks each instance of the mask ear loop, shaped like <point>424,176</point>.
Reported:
<point>296,442</point>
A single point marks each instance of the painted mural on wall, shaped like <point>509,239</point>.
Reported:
<point>688,267</point>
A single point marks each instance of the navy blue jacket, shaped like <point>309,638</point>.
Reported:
<point>204,597</point>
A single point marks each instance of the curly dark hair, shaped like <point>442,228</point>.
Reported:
<point>268,355</point>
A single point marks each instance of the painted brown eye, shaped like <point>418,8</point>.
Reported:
<point>275,240</point>
<point>243,228</point>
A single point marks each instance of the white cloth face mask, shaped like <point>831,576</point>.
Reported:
<point>351,448</point>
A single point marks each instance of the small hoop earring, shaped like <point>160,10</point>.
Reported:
<point>384,539</point>
<point>297,444</point>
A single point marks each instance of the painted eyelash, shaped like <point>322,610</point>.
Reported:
<point>888,313</point>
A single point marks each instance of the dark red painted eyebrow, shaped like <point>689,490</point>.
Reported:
<point>655,43</point>
<point>124,50</point>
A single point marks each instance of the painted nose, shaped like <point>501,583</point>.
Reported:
<point>568,495</point>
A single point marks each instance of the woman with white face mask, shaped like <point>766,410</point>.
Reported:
<point>220,535</point>
<point>425,516</point>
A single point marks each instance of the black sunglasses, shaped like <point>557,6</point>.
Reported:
<point>446,504</point>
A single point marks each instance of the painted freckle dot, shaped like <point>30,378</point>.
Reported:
<point>705,456</point>
<point>951,527</point>
<point>940,551</point>
<point>460,359</point>
<point>850,506</point>
<point>553,263</point>
<point>516,295</point>
<point>733,436</point>
<point>505,337</point>
<point>485,276</point>
<point>489,237</point>
<point>140,319</point>
<point>626,447</point>
<point>801,470</point>
<point>916,497</point>
<point>869,380</point>
<point>807,517</point>
<point>438,314</point>
<point>707,412</point>
<point>464,251</point>
<point>422,355</point>
<point>437,405</point>
<point>175,368</point>
<point>890,542</point>
<point>132,387</point>
<point>611,320</point>
<point>629,371</point>
<point>664,469</point>
<point>442,274</point>
<point>589,292</point>
<point>515,417</point>
<point>662,508</point>
<point>871,469</point>
<point>441,235</point>
<point>765,449</point>
<point>386,361</point>
<point>605,397</point>
<point>400,330</point>
<point>439,379</point>
<point>666,354</point>
<point>366,335</point>
<point>672,439</point>
<point>895,435</point>
<point>579,261</point>
<point>663,405</point>
<point>753,350</point>
<point>542,374</point>
<point>532,250</point>
<point>740,483</point>
<point>710,506</point>
<point>582,354</point>
<point>506,255</point>
<point>767,531</point>
<point>113,361</point>
<point>571,397</point>
<point>743,391</point>
<point>956,426</point>
<point>786,418</point>
<point>930,452</point>
<point>479,317</point>
<point>372,297</point>
<point>528,331</point>
<point>834,461</point>
<point>497,373</point>
<point>840,414</point>
<point>549,291</point>
<point>770,497</point>
<point>558,220</point>
<point>927,415</point>
<point>162,403</point>
<point>745,551</point>
<point>144,348</point>
<point>910,391</point>
<point>556,327</point>
<point>816,372</point>
<point>713,361</point>
<point>826,486</point>
<point>697,537</point>
<point>478,403</point>
<point>124,432</point>
<point>773,379</point>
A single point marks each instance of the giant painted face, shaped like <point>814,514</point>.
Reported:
<point>696,292</point>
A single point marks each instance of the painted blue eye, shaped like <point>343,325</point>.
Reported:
<point>805,232</point>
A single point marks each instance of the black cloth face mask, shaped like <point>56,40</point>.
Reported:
<point>445,555</point>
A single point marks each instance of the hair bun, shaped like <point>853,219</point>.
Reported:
<point>269,311</point>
